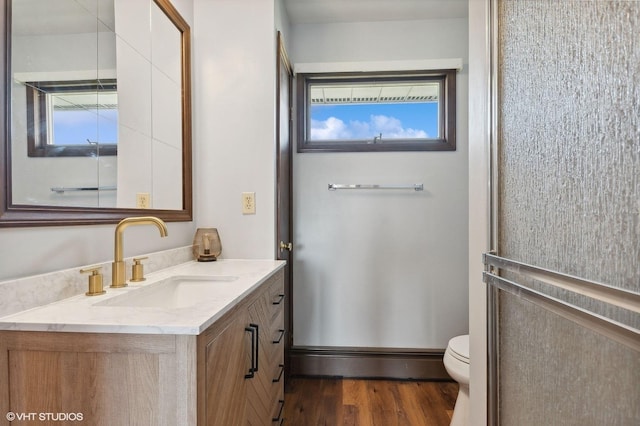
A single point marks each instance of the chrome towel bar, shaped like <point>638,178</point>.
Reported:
<point>334,186</point>
<point>610,295</point>
<point>609,328</point>
<point>63,189</point>
<point>621,297</point>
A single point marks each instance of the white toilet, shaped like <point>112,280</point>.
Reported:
<point>456,361</point>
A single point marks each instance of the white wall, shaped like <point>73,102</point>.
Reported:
<point>34,176</point>
<point>234,107</point>
<point>282,22</point>
<point>149,106</point>
<point>29,251</point>
<point>382,269</point>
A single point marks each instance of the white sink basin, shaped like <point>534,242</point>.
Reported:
<point>176,292</point>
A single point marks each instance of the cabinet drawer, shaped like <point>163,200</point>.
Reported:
<point>277,414</point>
<point>277,338</point>
<point>276,286</point>
<point>277,375</point>
<point>275,292</point>
<point>276,325</point>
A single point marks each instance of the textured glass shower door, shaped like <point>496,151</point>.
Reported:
<point>567,140</point>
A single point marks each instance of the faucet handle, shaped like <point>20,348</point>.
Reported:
<point>137,269</point>
<point>95,281</point>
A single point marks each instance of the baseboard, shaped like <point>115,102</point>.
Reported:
<point>378,363</point>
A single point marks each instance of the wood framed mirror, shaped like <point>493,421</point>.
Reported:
<point>122,66</point>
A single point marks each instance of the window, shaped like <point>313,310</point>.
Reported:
<point>377,112</point>
<point>72,118</point>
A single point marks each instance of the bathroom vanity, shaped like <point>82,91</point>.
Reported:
<point>198,343</point>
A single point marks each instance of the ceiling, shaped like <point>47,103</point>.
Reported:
<point>70,16</point>
<point>46,17</point>
<point>367,93</point>
<point>327,11</point>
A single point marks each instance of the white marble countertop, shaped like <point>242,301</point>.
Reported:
<point>84,314</point>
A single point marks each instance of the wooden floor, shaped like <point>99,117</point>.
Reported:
<point>345,402</point>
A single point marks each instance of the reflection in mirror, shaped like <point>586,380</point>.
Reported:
<point>58,47</point>
<point>63,116</point>
<point>99,107</point>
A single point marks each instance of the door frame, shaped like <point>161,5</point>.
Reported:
<point>480,186</point>
<point>284,193</point>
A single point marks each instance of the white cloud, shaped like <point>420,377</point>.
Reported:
<point>331,128</point>
<point>390,127</point>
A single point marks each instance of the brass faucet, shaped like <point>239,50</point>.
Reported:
<point>118,266</point>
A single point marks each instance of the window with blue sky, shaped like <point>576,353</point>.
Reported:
<point>76,118</point>
<point>82,118</point>
<point>356,112</point>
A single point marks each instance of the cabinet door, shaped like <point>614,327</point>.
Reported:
<point>227,361</point>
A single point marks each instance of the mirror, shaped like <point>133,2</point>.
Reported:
<point>97,118</point>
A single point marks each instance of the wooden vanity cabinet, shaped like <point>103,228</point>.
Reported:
<point>223,359</point>
<point>161,379</point>
<point>241,362</point>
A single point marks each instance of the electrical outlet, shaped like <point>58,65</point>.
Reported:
<point>143,200</point>
<point>248,203</point>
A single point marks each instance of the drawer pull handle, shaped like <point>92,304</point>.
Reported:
<point>253,329</point>
<point>279,418</point>
<point>280,299</point>
<point>275,342</point>
<point>279,375</point>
